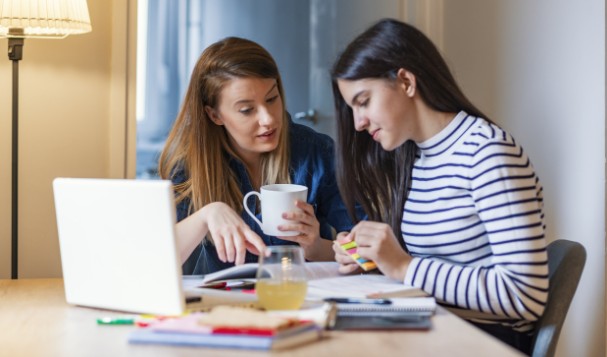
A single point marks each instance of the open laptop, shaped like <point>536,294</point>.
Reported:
<point>117,243</point>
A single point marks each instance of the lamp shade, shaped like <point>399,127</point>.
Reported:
<point>43,18</point>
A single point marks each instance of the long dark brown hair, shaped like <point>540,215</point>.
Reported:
<point>380,180</point>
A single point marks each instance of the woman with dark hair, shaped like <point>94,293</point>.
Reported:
<point>231,136</point>
<point>454,204</point>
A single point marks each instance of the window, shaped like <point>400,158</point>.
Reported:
<point>303,36</point>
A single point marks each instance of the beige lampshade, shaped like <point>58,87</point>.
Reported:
<point>43,18</point>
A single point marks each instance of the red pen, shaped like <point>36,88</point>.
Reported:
<point>215,285</point>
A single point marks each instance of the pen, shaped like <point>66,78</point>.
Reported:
<point>214,285</point>
<point>115,321</point>
<point>193,299</point>
<point>359,301</point>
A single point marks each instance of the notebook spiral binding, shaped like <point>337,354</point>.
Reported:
<point>414,307</point>
<point>376,308</point>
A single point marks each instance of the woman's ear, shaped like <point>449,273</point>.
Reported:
<point>407,80</point>
<point>213,115</point>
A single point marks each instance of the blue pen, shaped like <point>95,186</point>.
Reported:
<point>359,301</point>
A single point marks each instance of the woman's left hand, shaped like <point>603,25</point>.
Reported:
<point>306,224</point>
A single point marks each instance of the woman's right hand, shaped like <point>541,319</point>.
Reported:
<point>230,234</point>
<point>346,264</point>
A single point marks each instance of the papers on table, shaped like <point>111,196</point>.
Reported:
<point>358,286</point>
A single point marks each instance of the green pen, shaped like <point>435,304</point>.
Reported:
<point>115,321</point>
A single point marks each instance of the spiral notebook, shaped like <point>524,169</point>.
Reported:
<point>401,314</point>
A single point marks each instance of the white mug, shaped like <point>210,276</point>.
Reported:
<point>276,200</point>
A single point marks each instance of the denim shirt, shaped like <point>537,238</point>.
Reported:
<point>312,165</point>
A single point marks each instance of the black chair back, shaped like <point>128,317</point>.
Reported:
<point>566,261</point>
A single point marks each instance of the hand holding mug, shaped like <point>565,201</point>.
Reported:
<point>303,221</point>
<point>276,201</point>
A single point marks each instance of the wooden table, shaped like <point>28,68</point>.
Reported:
<point>35,320</point>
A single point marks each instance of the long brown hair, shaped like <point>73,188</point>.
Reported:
<point>377,179</point>
<point>200,147</point>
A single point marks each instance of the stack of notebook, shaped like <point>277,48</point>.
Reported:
<point>229,327</point>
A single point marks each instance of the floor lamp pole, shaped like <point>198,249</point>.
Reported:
<point>15,53</point>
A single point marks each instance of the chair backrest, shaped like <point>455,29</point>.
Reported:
<point>566,261</point>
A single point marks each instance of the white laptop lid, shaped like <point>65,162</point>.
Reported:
<point>117,243</point>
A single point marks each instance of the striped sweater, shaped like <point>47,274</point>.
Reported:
<point>473,223</point>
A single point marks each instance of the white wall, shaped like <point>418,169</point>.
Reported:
<point>538,69</point>
<point>72,110</point>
